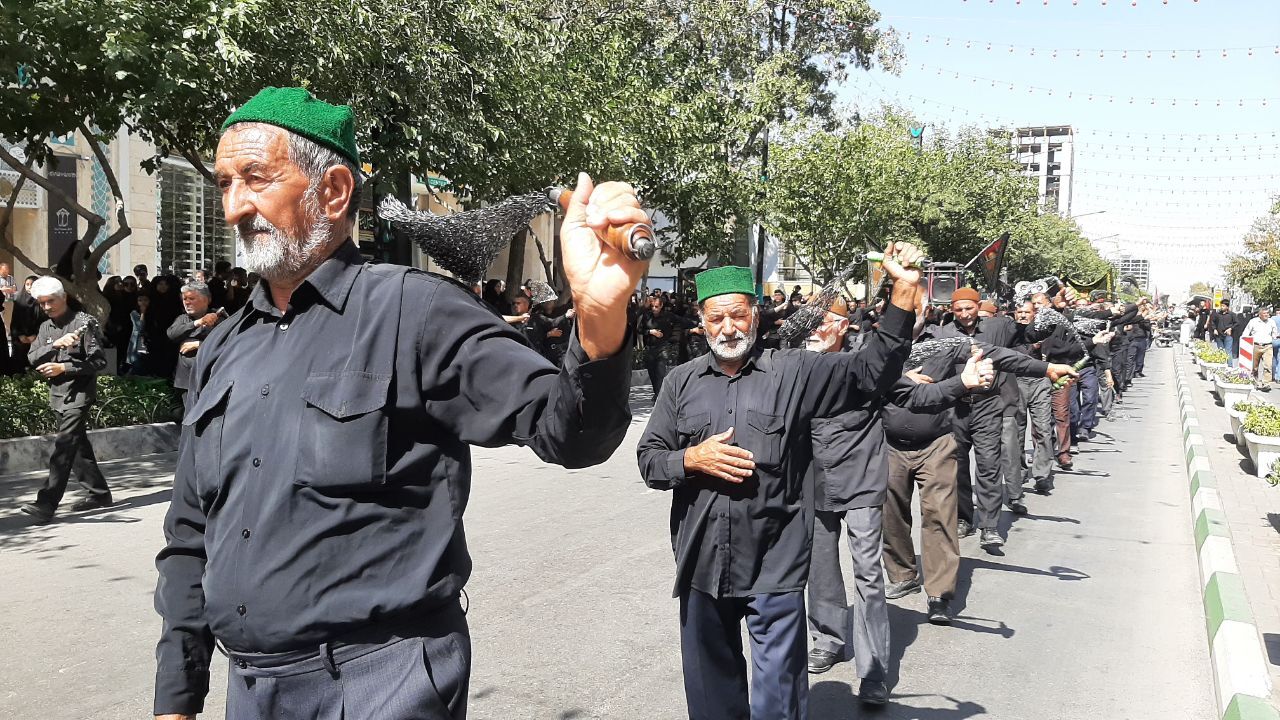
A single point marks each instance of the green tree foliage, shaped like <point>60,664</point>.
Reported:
<point>835,192</point>
<point>673,95</point>
<point>1257,268</point>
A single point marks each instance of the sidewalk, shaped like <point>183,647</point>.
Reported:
<point>1252,511</point>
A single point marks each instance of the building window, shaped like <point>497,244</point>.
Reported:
<point>192,233</point>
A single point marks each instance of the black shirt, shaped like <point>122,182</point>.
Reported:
<point>77,386</point>
<point>182,330</point>
<point>749,538</point>
<point>325,463</point>
<point>849,466</point>
<point>664,322</point>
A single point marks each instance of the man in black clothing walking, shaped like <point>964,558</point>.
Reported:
<point>68,353</point>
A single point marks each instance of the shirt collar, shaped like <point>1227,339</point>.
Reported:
<point>758,359</point>
<point>331,281</point>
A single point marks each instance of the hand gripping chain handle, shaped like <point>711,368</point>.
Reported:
<point>635,240</point>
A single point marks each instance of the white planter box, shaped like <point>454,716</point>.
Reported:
<point>1237,425</point>
<point>1208,369</point>
<point>1230,394</point>
<point>1262,451</point>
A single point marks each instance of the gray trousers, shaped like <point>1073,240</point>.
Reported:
<point>834,625</point>
<point>1037,407</point>
<point>414,678</point>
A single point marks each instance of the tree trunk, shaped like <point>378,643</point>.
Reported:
<point>515,261</point>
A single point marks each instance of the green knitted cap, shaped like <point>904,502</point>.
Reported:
<point>296,110</point>
<point>724,281</point>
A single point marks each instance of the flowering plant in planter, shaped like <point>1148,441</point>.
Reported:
<point>1212,356</point>
<point>1273,477</point>
<point>1235,376</point>
<point>1243,406</point>
<point>1263,419</point>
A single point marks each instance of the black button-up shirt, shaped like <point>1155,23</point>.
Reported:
<point>325,463</point>
<point>750,538</point>
<point>77,386</point>
<point>184,329</point>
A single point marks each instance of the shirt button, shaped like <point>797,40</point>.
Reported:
<point>245,533</point>
<point>242,664</point>
<point>242,609</point>
<point>284,326</point>
<point>266,390</point>
<point>257,462</point>
<point>730,411</point>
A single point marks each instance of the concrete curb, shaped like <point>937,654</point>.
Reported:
<point>1239,664</point>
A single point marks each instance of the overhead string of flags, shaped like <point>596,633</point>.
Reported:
<point>1077,95</point>
<point>1226,53</point>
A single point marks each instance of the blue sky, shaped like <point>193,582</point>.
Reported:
<point>1182,200</point>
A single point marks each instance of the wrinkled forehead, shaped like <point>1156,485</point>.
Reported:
<point>964,305</point>
<point>732,304</point>
<point>248,144</point>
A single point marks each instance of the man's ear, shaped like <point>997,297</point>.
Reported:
<point>335,193</point>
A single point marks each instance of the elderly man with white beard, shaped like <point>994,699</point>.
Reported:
<point>315,532</point>
<point>730,436</point>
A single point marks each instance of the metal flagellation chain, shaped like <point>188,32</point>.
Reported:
<point>466,243</point>
<point>804,321</point>
<point>926,349</point>
<point>541,292</point>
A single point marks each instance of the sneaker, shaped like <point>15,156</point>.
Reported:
<point>873,692</point>
<point>893,591</point>
<point>939,611</point>
<point>41,513</point>
<point>91,503</point>
<point>964,529</point>
<point>991,538</point>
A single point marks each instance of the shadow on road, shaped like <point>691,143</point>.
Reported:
<point>835,700</point>
<point>130,481</point>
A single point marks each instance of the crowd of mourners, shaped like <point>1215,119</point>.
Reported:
<point>1226,329</point>
<point>155,324</point>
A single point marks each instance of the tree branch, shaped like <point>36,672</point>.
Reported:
<point>49,187</point>
<point>122,230</point>
<point>8,215</point>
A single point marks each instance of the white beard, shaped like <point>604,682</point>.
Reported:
<point>278,256</point>
<point>740,350</point>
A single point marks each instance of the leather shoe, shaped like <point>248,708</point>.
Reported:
<point>893,591</point>
<point>1044,487</point>
<point>991,538</point>
<point>91,503</point>
<point>1064,465</point>
<point>873,692</point>
<point>939,611</point>
<point>821,661</point>
<point>964,529</point>
<point>1018,507</point>
<point>39,512</point>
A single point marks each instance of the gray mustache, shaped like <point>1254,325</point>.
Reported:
<point>244,227</point>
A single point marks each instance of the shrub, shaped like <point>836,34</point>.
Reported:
<point>24,404</point>
<point>1263,419</point>
<point>1234,376</point>
<point>1273,477</point>
<point>1242,406</point>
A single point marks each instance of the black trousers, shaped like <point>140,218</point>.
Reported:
<point>72,451</point>
<point>658,360</point>
<point>715,672</point>
<point>978,426</point>
<point>421,677</point>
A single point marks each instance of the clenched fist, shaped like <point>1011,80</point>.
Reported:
<point>716,458</point>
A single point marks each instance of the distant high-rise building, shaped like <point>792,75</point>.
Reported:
<point>1046,153</point>
<point>1131,267</point>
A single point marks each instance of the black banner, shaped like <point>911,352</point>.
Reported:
<point>62,219</point>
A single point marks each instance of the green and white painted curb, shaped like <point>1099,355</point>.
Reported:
<point>1239,665</point>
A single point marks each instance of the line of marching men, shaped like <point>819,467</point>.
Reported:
<point>772,455</point>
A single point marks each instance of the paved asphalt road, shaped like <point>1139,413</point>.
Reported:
<point>1091,612</point>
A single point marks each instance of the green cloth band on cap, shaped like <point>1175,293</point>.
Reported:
<point>726,280</point>
<point>296,110</point>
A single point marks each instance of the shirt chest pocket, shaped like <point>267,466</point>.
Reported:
<point>692,428</point>
<point>342,440</point>
<point>763,437</point>
<point>205,420</point>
